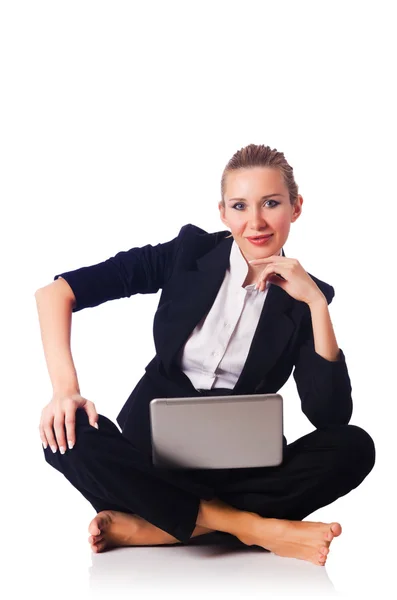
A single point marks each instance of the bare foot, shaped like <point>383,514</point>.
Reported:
<point>111,528</point>
<point>306,540</point>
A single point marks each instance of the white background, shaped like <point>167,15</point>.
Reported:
<point>117,119</point>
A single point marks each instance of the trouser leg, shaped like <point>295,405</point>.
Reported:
<point>317,469</point>
<point>111,473</point>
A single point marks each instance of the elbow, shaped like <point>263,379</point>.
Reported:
<point>332,414</point>
<point>39,291</point>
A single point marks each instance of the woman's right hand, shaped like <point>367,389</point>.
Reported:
<point>59,413</point>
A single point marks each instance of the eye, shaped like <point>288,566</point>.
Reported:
<point>275,203</point>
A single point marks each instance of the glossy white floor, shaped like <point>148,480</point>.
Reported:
<point>51,556</point>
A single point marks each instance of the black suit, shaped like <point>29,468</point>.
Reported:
<point>195,266</point>
<point>190,269</point>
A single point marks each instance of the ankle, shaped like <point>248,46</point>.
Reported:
<point>214,514</point>
<point>246,528</point>
<point>217,515</point>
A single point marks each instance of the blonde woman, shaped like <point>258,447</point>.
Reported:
<point>235,316</point>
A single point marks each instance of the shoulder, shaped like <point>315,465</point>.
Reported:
<point>197,240</point>
<point>194,232</point>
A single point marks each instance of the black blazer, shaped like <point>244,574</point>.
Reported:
<point>189,270</point>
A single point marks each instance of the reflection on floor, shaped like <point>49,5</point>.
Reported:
<point>204,567</point>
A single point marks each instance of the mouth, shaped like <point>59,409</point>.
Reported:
<point>259,240</point>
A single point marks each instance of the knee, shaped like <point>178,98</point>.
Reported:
<point>82,430</point>
<point>362,443</point>
<point>357,446</point>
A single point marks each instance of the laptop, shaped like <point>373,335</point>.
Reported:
<point>217,432</point>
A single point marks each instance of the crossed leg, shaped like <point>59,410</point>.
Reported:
<point>304,540</point>
<point>328,476</point>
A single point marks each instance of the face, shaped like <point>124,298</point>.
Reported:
<point>248,213</point>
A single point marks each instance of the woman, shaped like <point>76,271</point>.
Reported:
<point>235,316</point>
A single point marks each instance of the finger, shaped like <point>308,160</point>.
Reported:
<point>42,436</point>
<point>276,280</point>
<point>59,427</point>
<point>269,275</point>
<point>93,416</point>
<point>70,424</point>
<point>49,434</point>
<point>261,283</point>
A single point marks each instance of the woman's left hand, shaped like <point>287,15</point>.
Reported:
<point>294,279</point>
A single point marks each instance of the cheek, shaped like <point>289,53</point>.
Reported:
<point>237,221</point>
<point>281,223</point>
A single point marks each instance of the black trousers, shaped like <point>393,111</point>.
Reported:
<point>112,474</point>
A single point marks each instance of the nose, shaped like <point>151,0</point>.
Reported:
<point>257,222</point>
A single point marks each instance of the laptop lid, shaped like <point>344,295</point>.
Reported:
<point>217,432</point>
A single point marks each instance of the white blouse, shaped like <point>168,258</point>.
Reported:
<point>215,352</point>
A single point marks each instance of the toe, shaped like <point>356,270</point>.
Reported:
<point>329,536</point>
<point>94,539</point>
<point>321,556</point>
<point>317,560</point>
<point>99,547</point>
<point>94,526</point>
<point>98,523</point>
<point>336,529</point>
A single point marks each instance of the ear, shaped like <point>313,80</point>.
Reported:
<point>297,208</point>
<point>222,214</point>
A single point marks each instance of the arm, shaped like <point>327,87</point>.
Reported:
<point>321,373</point>
<point>54,306</point>
<point>136,271</point>
<point>325,342</point>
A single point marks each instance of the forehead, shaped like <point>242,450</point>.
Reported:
<point>255,180</point>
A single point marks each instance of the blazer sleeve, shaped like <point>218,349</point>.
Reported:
<point>140,270</point>
<point>323,386</point>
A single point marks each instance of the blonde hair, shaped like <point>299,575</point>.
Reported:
<point>261,156</point>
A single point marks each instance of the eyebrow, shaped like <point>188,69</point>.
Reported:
<point>263,197</point>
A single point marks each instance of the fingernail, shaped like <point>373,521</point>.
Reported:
<point>96,425</point>
<point>62,449</point>
<point>70,444</point>
<point>54,449</point>
<point>44,445</point>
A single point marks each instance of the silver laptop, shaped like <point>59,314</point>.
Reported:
<point>217,432</point>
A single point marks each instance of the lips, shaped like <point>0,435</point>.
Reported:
<point>260,237</point>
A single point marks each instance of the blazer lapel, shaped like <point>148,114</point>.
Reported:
<point>193,294</point>
<point>274,330</point>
